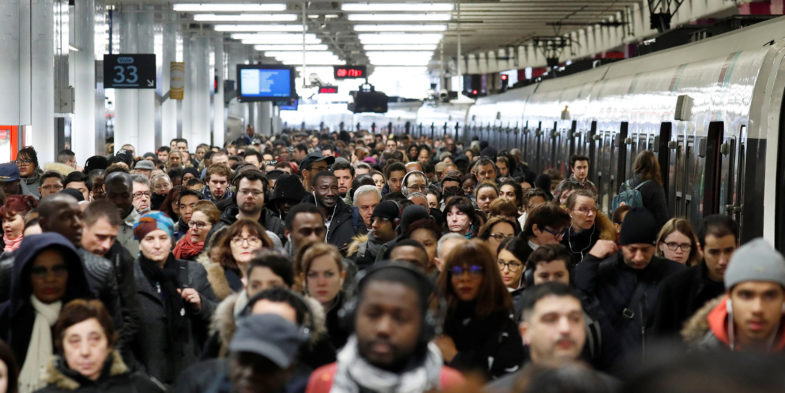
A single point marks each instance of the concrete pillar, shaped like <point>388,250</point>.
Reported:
<point>219,111</point>
<point>146,97</point>
<point>168,107</point>
<point>266,116</point>
<point>186,114</point>
<point>99,95</point>
<point>83,142</point>
<point>201,82</point>
<point>36,100</point>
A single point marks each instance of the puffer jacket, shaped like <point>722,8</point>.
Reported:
<point>622,299</point>
<point>115,378</point>
<point>364,250</point>
<point>707,330</point>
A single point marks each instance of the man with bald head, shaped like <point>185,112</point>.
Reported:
<point>61,213</point>
<point>118,187</point>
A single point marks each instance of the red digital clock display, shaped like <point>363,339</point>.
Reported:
<point>349,72</point>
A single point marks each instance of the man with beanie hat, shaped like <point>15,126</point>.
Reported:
<point>364,249</point>
<point>620,289</point>
<point>288,192</point>
<point>749,316</point>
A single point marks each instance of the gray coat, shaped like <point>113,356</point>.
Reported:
<point>161,357</point>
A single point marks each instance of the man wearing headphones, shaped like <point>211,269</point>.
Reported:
<point>414,181</point>
<point>338,215</point>
<point>749,316</point>
<point>390,350</point>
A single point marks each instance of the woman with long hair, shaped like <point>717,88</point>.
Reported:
<point>479,334</point>
<point>170,205</point>
<point>13,214</point>
<point>647,174</point>
<point>677,242</point>
<point>461,217</point>
<point>484,194</point>
<point>322,274</point>
<point>238,244</point>
<point>587,224</point>
<point>496,230</point>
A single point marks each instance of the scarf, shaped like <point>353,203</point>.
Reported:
<point>39,351</point>
<point>187,249</point>
<point>354,374</point>
<point>11,244</point>
<point>165,284</point>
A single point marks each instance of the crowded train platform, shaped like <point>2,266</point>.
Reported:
<point>292,263</point>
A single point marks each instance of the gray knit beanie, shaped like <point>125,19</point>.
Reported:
<point>755,261</point>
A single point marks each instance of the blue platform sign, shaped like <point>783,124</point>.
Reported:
<point>129,71</point>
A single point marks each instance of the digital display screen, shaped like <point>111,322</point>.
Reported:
<point>349,72</point>
<point>288,106</point>
<point>265,83</point>
<point>328,90</point>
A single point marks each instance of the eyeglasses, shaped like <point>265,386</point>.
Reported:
<point>554,233</point>
<point>473,270</point>
<point>246,192</point>
<point>512,266</point>
<point>500,236</point>
<point>417,187</point>
<point>40,272</point>
<point>198,224</point>
<point>673,246</point>
<point>141,194</point>
<point>251,241</point>
<point>21,162</point>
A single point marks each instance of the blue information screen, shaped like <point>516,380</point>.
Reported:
<point>265,82</point>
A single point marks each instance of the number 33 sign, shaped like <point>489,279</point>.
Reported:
<point>129,71</point>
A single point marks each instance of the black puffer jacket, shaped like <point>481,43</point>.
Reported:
<point>268,219</point>
<point>491,346</point>
<point>115,378</point>
<point>622,299</point>
<point>681,296</point>
<point>161,356</point>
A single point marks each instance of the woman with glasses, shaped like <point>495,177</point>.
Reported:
<point>175,299</point>
<point>13,214</point>
<point>29,171</point>
<point>677,242</point>
<point>320,269</point>
<point>545,224</point>
<point>238,245</point>
<point>587,224</point>
<point>479,335</point>
<point>204,216</point>
<point>496,230</point>
<point>510,267</point>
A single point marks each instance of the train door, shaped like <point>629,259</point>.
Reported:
<point>693,172</point>
<point>546,144</point>
<point>736,192</point>
<point>591,151</point>
<point>713,169</point>
<point>538,149</point>
<point>603,162</point>
<point>660,147</point>
<point>573,137</point>
<point>624,147</point>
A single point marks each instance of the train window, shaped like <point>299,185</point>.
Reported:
<point>713,167</point>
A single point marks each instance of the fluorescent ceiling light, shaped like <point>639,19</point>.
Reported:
<point>291,40</point>
<point>275,36</point>
<point>417,27</point>
<point>317,54</point>
<point>399,38</point>
<point>201,7</point>
<point>400,17</point>
<point>399,62</point>
<point>290,47</point>
<point>400,7</point>
<point>399,47</point>
<point>254,28</point>
<point>245,18</point>
<point>427,54</point>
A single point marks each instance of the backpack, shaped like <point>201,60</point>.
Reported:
<point>629,196</point>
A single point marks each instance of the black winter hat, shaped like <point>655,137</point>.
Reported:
<point>288,187</point>
<point>387,210</point>
<point>489,152</point>
<point>411,214</point>
<point>95,162</point>
<point>639,226</point>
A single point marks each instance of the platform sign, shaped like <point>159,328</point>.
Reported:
<point>129,71</point>
<point>328,89</point>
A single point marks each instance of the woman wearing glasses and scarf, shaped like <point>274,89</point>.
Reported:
<point>479,334</point>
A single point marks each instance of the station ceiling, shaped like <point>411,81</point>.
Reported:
<point>389,32</point>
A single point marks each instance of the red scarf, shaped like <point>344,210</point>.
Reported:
<point>186,249</point>
<point>11,244</point>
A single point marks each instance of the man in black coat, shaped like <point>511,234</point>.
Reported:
<point>683,294</point>
<point>338,215</point>
<point>620,289</point>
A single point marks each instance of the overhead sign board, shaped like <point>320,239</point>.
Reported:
<point>349,72</point>
<point>129,71</point>
<point>328,90</point>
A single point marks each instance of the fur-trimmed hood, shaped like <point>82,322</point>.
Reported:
<point>224,322</point>
<point>605,225</point>
<point>55,375</point>
<point>697,326</point>
<point>355,244</point>
<point>216,276</point>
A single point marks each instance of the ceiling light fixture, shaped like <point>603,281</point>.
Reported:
<point>255,28</point>
<point>245,18</point>
<point>400,38</point>
<point>373,47</point>
<point>202,7</point>
<point>400,28</point>
<point>290,47</point>
<point>399,7</point>
<point>400,17</point>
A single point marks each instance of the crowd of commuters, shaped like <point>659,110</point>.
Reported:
<point>358,262</point>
